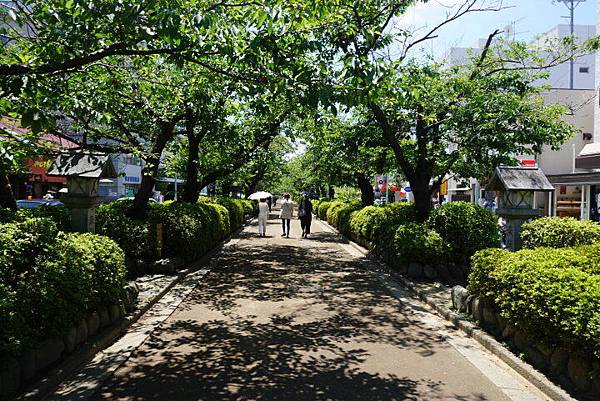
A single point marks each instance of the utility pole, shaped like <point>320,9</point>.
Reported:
<point>571,6</point>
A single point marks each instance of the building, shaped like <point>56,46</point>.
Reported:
<point>33,182</point>
<point>577,190</point>
<point>559,76</point>
<point>129,170</point>
<point>574,187</point>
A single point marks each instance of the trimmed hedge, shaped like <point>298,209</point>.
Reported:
<point>59,214</point>
<point>414,242</point>
<point>323,208</point>
<point>250,207</point>
<point>339,215</point>
<point>466,228</point>
<point>136,237</point>
<point>559,232</point>
<point>235,207</point>
<point>51,279</point>
<point>189,230</point>
<point>370,222</point>
<point>543,288</point>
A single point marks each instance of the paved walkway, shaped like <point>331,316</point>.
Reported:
<point>306,319</point>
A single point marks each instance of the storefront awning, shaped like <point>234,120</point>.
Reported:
<point>575,179</point>
<point>589,157</point>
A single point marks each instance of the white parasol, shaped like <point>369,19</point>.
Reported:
<point>260,195</point>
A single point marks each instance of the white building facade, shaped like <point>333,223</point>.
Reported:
<point>577,191</point>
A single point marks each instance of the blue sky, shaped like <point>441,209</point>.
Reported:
<point>531,18</point>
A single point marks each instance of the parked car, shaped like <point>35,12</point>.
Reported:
<point>35,203</point>
<point>130,198</point>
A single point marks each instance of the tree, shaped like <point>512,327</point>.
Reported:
<point>437,119</point>
<point>348,149</point>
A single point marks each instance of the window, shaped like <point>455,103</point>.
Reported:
<point>584,70</point>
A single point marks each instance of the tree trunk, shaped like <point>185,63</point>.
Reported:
<point>191,188</point>
<point>7,197</point>
<point>367,196</point>
<point>420,189</point>
<point>150,171</point>
<point>331,192</point>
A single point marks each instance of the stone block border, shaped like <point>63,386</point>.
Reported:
<point>570,368</point>
<point>31,363</point>
<point>540,381</point>
<point>64,368</point>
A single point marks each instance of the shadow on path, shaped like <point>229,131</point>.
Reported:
<point>295,320</point>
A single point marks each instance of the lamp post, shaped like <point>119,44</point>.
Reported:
<point>83,172</point>
<point>517,186</point>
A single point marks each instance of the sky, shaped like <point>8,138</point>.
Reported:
<point>530,18</point>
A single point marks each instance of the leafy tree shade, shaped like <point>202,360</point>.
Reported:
<point>348,150</point>
<point>437,119</point>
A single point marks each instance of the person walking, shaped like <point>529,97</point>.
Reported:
<point>263,216</point>
<point>305,215</point>
<point>286,214</point>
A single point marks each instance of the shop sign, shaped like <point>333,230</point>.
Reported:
<point>132,179</point>
<point>444,187</point>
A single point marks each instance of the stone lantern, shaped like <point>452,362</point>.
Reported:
<point>517,186</point>
<point>83,171</point>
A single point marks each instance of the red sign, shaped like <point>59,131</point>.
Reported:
<point>529,163</point>
<point>37,171</point>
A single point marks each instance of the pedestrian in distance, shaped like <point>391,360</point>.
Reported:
<point>263,216</point>
<point>305,214</point>
<point>286,214</point>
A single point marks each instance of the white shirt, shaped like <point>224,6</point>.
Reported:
<point>263,210</point>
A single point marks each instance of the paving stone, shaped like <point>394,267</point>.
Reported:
<point>430,272</point>
<point>27,363</point>
<point>579,372</point>
<point>70,339</point>
<point>48,352</point>
<point>104,316</point>
<point>82,332</point>
<point>559,360</point>
<point>10,371</point>
<point>415,270</point>
<point>114,313</point>
<point>459,298</point>
<point>93,323</point>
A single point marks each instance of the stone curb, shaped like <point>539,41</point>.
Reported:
<point>537,379</point>
<point>52,379</point>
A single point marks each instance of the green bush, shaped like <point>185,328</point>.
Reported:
<point>400,213</point>
<point>339,215</point>
<point>323,208</point>
<point>59,214</point>
<point>557,232</point>
<point>540,289</point>
<point>414,242</point>
<point>136,237</point>
<point>466,228</point>
<point>235,208</point>
<point>68,276</point>
<point>366,221</point>
<point>190,230</point>
<point>20,243</point>
<point>250,207</point>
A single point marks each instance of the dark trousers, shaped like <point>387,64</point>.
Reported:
<point>286,223</point>
<point>305,222</point>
